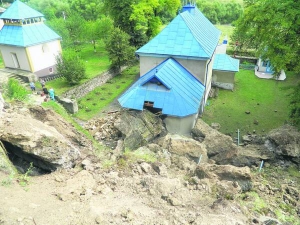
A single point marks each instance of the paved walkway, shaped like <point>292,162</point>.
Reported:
<point>263,75</point>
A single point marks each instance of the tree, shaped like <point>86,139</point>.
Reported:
<point>168,9</point>
<point>273,27</point>
<point>217,12</point>
<point>295,106</point>
<point>144,17</point>
<point>119,49</point>
<point>72,30</point>
<point>50,8</point>
<point>97,30</point>
<point>88,9</point>
<point>70,66</point>
<point>141,19</point>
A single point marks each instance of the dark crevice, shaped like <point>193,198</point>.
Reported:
<point>22,161</point>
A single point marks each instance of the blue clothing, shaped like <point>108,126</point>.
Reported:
<point>32,86</point>
<point>51,93</point>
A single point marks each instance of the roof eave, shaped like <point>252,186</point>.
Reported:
<point>171,56</point>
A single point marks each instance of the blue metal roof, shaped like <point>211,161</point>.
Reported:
<point>225,63</point>
<point>19,10</point>
<point>27,35</point>
<point>170,86</point>
<point>189,34</point>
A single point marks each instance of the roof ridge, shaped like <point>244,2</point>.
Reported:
<point>190,23</point>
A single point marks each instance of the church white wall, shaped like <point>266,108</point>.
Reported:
<point>20,52</point>
<point>42,56</point>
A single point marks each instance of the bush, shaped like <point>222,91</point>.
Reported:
<point>71,67</point>
<point>15,91</point>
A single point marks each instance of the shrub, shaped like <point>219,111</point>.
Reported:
<point>15,91</point>
<point>71,67</point>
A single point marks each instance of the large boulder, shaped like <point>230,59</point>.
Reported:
<point>240,175</point>
<point>36,141</point>
<point>219,147</point>
<point>1,103</point>
<point>51,118</point>
<point>285,142</point>
<point>138,127</point>
<point>5,164</point>
<point>184,146</point>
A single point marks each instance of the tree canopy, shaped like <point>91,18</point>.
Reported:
<point>141,19</point>
<point>273,29</point>
<point>70,66</point>
<point>119,49</point>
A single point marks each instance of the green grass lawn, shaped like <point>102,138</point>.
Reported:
<point>1,63</point>
<point>96,63</point>
<point>94,102</point>
<point>266,100</point>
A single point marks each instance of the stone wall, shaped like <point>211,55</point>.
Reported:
<point>84,89</point>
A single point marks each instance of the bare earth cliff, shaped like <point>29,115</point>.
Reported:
<point>144,176</point>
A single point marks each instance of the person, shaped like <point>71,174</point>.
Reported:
<point>51,93</point>
<point>45,91</point>
<point>43,83</point>
<point>32,86</point>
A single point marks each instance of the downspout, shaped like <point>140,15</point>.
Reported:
<point>206,74</point>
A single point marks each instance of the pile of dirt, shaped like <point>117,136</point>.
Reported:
<point>169,180</point>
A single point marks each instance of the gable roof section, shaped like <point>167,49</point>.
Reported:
<point>179,93</point>
<point>189,34</point>
<point>19,10</point>
<point>27,35</point>
<point>224,62</point>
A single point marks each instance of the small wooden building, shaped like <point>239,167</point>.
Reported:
<point>26,43</point>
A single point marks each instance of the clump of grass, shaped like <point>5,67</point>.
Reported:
<point>15,91</point>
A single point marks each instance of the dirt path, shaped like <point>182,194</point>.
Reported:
<point>85,197</point>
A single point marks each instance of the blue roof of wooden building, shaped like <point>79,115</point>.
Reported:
<point>24,27</point>
<point>170,87</point>
<point>189,34</point>
<point>19,10</point>
<point>224,62</point>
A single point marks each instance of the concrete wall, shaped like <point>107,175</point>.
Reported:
<point>70,105</point>
<point>223,79</point>
<point>20,52</point>
<point>180,125</point>
<point>223,76</point>
<point>42,57</point>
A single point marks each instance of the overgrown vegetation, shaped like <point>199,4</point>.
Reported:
<point>222,12</point>
<point>274,180</point>
<point>95,64</point>
<point>266,101</point>
<point>119,50</point>
<point>15,91</point>
<point>70,66</point>
<point>295,106</point>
